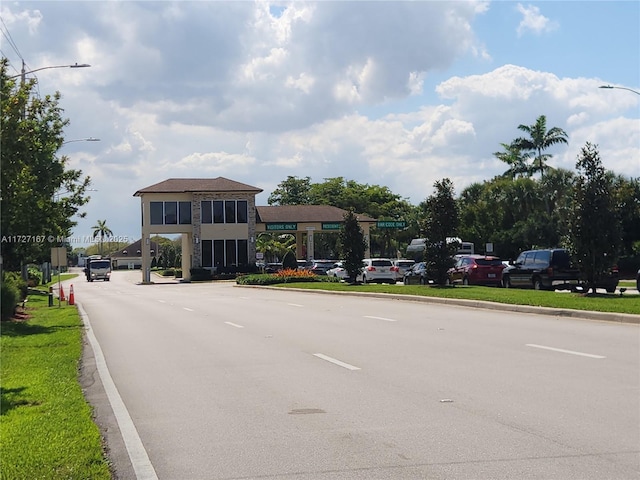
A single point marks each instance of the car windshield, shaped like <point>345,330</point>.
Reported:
<point>489,261</point>
<point>381,263</point>
<point>100,264</point>
<point>404,264</point>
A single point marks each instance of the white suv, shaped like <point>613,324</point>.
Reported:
<point>377,270</point>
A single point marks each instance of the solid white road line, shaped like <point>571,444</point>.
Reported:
<point>234,324</point>
<point>139,459</point>
<point>336,362</point>
<point>295,305</point>
<point>571,352</point>
<point>188,309</point>
<point>380,318</point>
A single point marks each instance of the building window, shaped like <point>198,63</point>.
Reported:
<point>170,213</point>
<point>156,213</point>
<point>185,213</point>
<point>230,211</point>
<point>231,259</point>
<point>218,253</point>
<point>242,211</point>
<point>206,214</point>
<point>218,211</point>
<point>207,253</point>
<point>243,252</point>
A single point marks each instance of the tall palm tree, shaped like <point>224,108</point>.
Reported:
<point>516,159</point>
<point>101,229</point>
<point>539,140</point>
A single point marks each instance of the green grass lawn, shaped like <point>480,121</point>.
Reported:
<point>574,301</point>
<point>46,429</point>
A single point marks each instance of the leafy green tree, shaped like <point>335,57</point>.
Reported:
<point>517,160</point>
<point>352,244</point>
<point>275,246</point>
<point>627,198</point>
<point>595,233</point>
<point>40,194</point>
<point>100,229</point>
<point>292,191</point>
<point>440,224</point>
<point>538,141</point>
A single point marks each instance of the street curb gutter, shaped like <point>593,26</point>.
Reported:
<point>557,312</point>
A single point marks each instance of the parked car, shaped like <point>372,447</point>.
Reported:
<point>320,267</point>
<point>417,275</point>
<point>273,267</point>
<point>542,269</point>
<point>476,270</point>
<point>338,271</point>
<point>401,266</point>
<point>377,270</point>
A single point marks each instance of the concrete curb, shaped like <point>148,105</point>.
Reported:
<point>557,312</point>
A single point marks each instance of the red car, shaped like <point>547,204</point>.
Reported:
<point>476,270</point>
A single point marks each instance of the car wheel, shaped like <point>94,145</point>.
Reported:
<point>364,279</point>
<point>465,281</point>
<point>506,282</point>
<point>405,281</point>
<point>611,290</point>
<point>422,281</point>
<point>537,284</point>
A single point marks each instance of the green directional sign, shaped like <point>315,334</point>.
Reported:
<point>280,227</point>
<point>331,226</point>
<point>391,224</point>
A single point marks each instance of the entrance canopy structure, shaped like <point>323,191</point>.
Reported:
<point>218,221</point>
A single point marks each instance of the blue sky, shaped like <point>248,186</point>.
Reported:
<point>399,94</point>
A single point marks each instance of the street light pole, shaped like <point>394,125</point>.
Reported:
<point>24,73</point>
<point>620,88</point>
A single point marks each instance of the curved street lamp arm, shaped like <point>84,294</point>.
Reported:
<point>620,88</point>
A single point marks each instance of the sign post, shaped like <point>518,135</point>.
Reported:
<point>59,258</point>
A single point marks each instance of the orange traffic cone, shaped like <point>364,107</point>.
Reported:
<point>62,299</point>
<point>71,299</point>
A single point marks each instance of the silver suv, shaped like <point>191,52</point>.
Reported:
<point>377,270</point>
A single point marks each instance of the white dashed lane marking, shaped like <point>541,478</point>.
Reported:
<point>380,318</point>
<point>561,350</point>
<point>335,361</point>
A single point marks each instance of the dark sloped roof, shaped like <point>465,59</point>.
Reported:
<point>133,249</point>
<point>304,213</point>
<point>184,185</point>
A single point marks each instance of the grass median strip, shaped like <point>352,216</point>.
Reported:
<point>613,303</point>
<point>47,430</point>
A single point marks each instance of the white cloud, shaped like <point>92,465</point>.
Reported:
<point>533,21</point>
<point>258,91</point>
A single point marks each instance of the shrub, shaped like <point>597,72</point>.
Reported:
<point>8,300</point>
<point>35,277</point>
<point>199,274</point>
<point>14,290</point>
<point>289,261</point>
<point>169,272</point>
<point>283,276</point>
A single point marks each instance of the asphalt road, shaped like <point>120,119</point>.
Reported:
<point>223,382</point>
